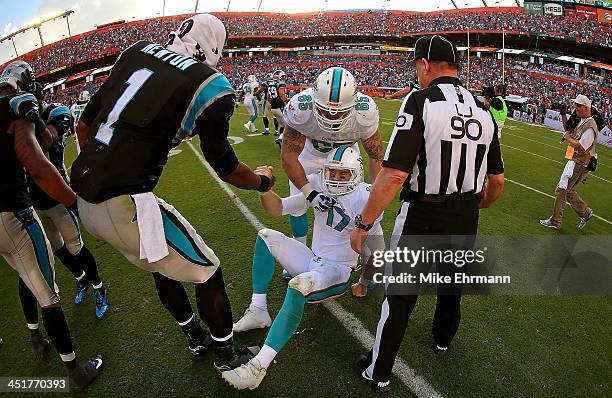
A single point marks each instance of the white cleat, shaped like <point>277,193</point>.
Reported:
<point>248,375</point>
<point>253,318</point>
<point>247,127</point>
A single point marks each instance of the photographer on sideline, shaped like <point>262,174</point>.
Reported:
<point>581,135</point>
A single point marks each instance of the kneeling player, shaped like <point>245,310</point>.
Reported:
<point>321,273</point>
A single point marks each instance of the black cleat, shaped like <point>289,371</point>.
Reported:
<point>198,339</point>
<point>40,345</point>
<point>228,358</point>
<point>361,364</point>
<point>82,376</point>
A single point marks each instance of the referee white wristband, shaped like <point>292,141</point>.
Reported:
<point>306,190</point>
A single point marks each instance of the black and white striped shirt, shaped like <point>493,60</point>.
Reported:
<point>446,139</point>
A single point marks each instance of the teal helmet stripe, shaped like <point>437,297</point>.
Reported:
<point>334,95</point>
<point>339,152</point>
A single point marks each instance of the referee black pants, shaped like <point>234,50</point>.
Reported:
<point>454,217</point>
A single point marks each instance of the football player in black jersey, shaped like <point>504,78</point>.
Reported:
<point>61,226</point>
<point>156,96</point>
<point>277,95</point>
<point>23,243</point>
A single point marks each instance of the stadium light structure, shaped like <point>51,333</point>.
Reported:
<point>36,25</point>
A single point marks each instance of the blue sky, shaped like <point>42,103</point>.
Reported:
<point>16,16</point>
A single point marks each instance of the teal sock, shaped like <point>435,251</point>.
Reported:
<point>299,225</point>
<point>263,267</point>
<point>252,118</point>
<point>287,321</point>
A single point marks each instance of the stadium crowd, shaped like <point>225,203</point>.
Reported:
<point>112,39</point>
<point>542,84</point>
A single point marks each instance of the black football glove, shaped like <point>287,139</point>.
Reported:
<point>320,201</point>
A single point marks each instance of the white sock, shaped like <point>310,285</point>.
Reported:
<point>302,239</point>
<point>266,356</point>
<point>97,286</point>
<point>81,277</point>
<point>260,301</point>
<point>32,326</point>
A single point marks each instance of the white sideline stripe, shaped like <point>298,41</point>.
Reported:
<point>552,160</point>
<point>550,196</point>
<point>417,384</point>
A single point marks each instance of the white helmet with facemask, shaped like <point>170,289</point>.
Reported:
<point>342,158</point>
<point>201,37</point>
<point>335,92</point>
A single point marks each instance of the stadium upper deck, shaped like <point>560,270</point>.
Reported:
<point>396,27</point>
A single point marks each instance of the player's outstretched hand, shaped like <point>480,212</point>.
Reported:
<point>268,172</point>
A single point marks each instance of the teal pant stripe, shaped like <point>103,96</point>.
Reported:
<point>42,255</point>
<point>287,321</point>
<point>181,243</point>
<point>329,292</point>
<point>263,267</point>
<point>299,225</point>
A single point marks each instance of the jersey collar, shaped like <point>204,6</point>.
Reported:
<point>446,80</point>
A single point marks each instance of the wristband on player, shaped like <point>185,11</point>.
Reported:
<point>307,190</point>
<point>360,225</point>
<point>264,186</point>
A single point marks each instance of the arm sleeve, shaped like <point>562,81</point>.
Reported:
<point>407,137</point>
<point>495,162</point>
<point>93,107</point>
<point>587,139</point>
<point>212,127</point>
<point>293,204</point>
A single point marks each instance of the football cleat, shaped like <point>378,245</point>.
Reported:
<point>248,375</point>
<point>81,288</point>
<point>266,132</point>
<point>101,303</point>
<point>247,127</point>
<point>361,364</point>
<point>549,224</point>
<point>279,142</point>
<point>198,339</point>
<point>253,318</point>
<point>82,376</point>
<point>585,219</point>
<point>40,345</point>
<point>230,357</point>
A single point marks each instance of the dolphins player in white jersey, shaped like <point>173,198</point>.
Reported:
<point>331,114</point>
<point>320,273</point>
<point>250,101</point>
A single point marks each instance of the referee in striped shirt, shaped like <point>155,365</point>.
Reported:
<point>443,146</point>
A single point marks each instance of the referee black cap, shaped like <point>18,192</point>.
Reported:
<point>435,48</point>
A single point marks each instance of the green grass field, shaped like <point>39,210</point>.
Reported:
<point>520,346</point>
